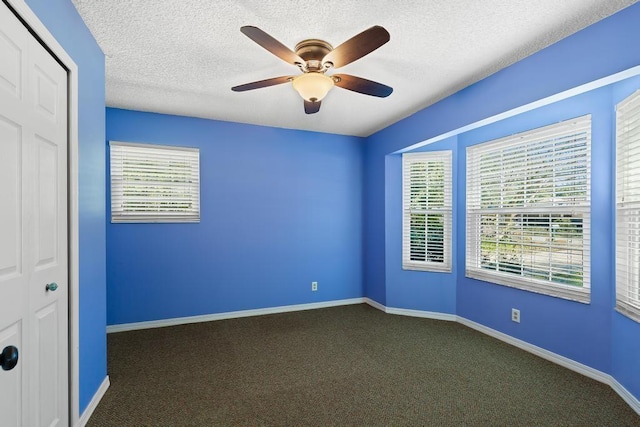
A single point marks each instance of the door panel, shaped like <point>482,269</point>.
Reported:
<point>47,349</point>
<point>47,95</point>
<point>11,384</point>
<point>33,229</point>
<point>46,198</point>
<point>13,278</point>
<point>11,214</point>
<point>11,65</point>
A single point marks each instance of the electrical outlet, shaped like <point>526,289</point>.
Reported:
<point>314,286</point>
<point>515,315</point>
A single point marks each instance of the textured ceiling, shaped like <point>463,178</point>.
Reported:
<point>182,57</point>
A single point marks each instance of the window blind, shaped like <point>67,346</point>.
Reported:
<point>628,206</point>
<point>426,195</point>
<point>152,183</point>
<point>528,210</point>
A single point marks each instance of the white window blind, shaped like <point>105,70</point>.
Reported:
<point>628,206</point>
<point>528,210</point>
<point>426,201</point>
<point>153,183</point>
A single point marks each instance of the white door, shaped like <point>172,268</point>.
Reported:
<point>33,231</point>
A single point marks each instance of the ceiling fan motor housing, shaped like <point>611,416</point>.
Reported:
<point>313,52</point>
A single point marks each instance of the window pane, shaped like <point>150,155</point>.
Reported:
<point>418,238</point>
<point>541,246</point>
<point>528,205</point>
<point>151,183</point>
<point>435,238</point>
<point>552,172</point>
<point>418,189</point>
<point>426,210</point>
<point>628,206</point>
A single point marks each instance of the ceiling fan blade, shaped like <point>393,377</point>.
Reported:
<point>262,83</point>
<point>360,85</point>
<point>272,45</point>
<point>311,107</point>
<point>357,46</point>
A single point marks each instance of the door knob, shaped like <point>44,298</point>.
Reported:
<point>51,286</point>
<point>9,358</point>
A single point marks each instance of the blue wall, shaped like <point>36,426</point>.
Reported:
<point>279,209</point>
<point>415,290</point>
<point>62,20</point>
<point>592,334</point>
<point>575,330</point>
<point>602,49</point>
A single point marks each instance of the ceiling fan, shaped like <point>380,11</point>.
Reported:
<point>314,58</point>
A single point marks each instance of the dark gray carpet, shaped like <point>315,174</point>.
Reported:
<point>343,366</point>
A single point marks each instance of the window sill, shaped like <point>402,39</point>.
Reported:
<point>582,295</point>
<point>151,220</point>
<point>434,267</point>
<point>628,310</point>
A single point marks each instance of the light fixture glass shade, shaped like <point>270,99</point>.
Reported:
<point>312,86</point>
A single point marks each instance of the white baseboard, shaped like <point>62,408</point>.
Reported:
<point>97,397</point>
<point>229,315</point>
<point>412,313</point>
<point>419,313</point>
<point>375,304</point>
<point>585,370</point>
<point>625,395</point>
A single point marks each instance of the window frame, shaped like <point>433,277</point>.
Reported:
<point>628,205</point>
<point>445,210</point>
<point>174,180</point>
<point>532,141</point>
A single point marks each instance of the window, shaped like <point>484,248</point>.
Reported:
<point>426,201</point>
<point>628,207</point>
<point>528,210</point>
<point>152,183</point>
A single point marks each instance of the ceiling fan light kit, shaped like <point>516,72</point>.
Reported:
<point>313,86</point>
<point>314,58</point>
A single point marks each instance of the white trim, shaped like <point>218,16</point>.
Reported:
<point>419,313</point>
<point>411,313</point>
<point>596,84</point>
<point>375,304</point>
<point>34,23</point>
<point>95,400</point>
<point>229,315</point>
<point>539,351</point>
<point>565,362</point>
<point>625,395</point>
